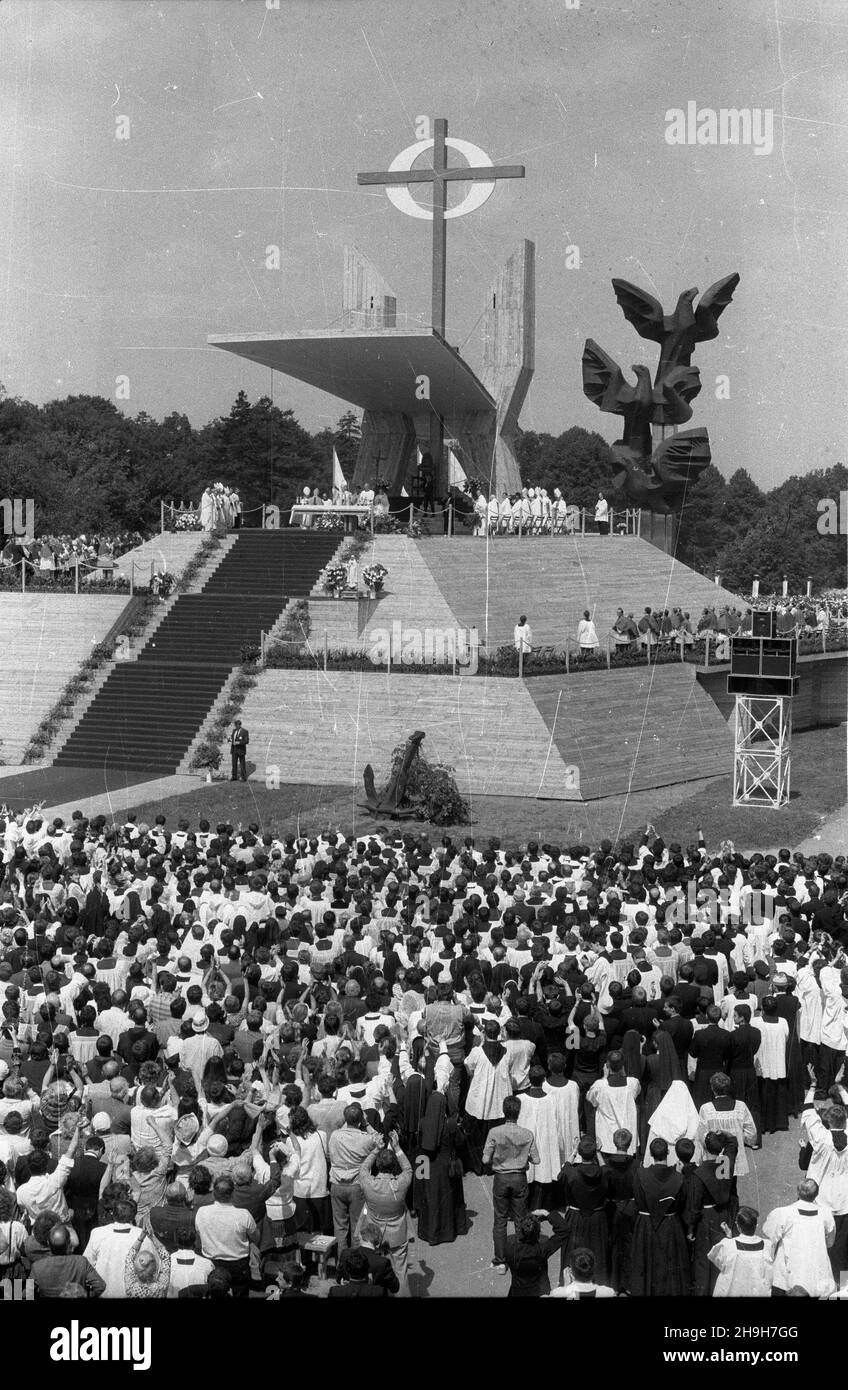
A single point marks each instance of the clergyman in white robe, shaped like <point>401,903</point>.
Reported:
<point>802,1234</point>
<point>207,511</point>
<point>745,1265</point>
<point>538,1114</point>
<point>615,1108</point>
<point>566,1101</point>
<point>107,1249</point>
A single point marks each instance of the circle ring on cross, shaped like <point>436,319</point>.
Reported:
<point>474,198</point>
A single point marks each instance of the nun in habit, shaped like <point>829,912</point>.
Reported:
<point>674,1118</point>
<point>439,1197</point>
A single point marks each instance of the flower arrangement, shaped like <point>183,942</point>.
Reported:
<point>373,576</point>
<point>335,579</point>
<point>187,521</point>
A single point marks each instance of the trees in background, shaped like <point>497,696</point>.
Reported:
<point>89,467</point>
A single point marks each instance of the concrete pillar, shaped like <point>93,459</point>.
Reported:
<point>367,299</point>
<point>509,335</point>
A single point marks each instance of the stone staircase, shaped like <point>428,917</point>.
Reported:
<point>44,638</point>
<point>148,711</point>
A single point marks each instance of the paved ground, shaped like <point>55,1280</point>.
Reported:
<point>464,1269</point>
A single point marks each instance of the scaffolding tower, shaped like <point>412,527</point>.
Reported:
<point>762,750</point>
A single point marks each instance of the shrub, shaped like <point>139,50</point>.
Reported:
<point>196,563</point>
<point>208,755</point>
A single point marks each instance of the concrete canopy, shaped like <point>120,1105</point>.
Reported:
<point>375,369</point>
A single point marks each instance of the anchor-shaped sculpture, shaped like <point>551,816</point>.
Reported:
<point>391,801</point>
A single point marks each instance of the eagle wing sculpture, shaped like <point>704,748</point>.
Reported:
<point>712,304</point>
<point>658,477</point>
<point>642,310</point>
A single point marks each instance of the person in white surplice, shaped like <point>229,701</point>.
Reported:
<point>207,510</point>
<point>538,1114</point>
<point>802,1234</point>
<point>745,1262</point>
<point>614,1101</point>
<point>566,1098</point>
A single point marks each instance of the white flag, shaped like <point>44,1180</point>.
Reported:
<point>338,475</point>
<point>456,472</point>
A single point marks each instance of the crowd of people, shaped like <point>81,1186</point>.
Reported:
<point>662,629</point>
<point>52,556</point>
<point>376,498</point>
<point>233,1063</point>
<point>535,512</point>
<point>532,511</point>
<point>220,509</point>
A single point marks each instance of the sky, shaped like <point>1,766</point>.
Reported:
<point>247,125</point>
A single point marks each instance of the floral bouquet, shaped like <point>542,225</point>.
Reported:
<point>373,576</point>
<point>187,521</point>
<point>335,578</point>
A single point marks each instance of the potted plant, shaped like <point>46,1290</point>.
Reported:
<point>373,577</point>
<point>335,580</point>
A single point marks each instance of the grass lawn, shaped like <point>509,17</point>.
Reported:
<point>818,788</point>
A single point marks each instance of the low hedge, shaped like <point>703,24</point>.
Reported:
<point>297,656</point>
<point>63,583</point>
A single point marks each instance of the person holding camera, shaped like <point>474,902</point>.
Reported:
<point>385,1178</point>
<point>348,1148</point>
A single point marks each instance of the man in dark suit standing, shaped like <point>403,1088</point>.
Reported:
<point>710,1047</point>
<point>82,1189</point>
<point>239,739</point>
